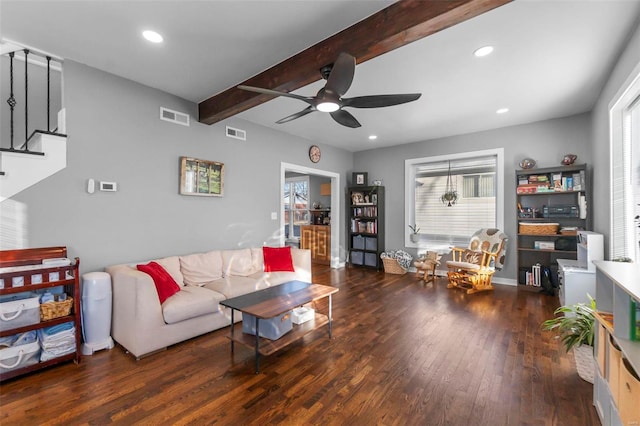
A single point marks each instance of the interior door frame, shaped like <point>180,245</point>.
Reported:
<point>336,208</point>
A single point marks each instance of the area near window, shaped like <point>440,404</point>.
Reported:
<point>296,206</point>
<point>477,178</point>
<point>625,177</point>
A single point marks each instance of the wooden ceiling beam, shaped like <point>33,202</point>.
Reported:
<point>395,26</point>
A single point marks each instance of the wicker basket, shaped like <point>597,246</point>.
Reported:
<point>51,310</point>
<point>391,266</point>
<point>539,228</point>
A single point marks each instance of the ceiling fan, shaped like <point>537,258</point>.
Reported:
<point>329,99</point>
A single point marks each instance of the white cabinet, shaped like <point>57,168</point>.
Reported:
<point>617,384</point>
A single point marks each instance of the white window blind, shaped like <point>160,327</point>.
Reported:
<point>625,178</point>
<point>475,179</point>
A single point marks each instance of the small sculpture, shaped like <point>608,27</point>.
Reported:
<point>528,163</point>
<point>569,159</point>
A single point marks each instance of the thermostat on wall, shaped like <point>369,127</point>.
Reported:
<point>108,186</point>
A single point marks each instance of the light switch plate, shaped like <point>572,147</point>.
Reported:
<point>274,216</point>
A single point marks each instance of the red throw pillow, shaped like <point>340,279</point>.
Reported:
<point>277,259</point>
<point>166,286</point>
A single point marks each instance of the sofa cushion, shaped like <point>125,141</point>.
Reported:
<point>281,277</point>
<point>191,302</point>
<point>257,259</point>
<point>237,286</point>
<point>165,284</point>
<point>172,266</point>
<point>201,268</point>
<point>277,259</point>
<point>237,262</point>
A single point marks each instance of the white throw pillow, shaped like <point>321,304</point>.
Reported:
<point>172,266</point>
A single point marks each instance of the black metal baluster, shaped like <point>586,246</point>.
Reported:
<point>48,93</point>
<point>26,100</point>
<point>12,100</point>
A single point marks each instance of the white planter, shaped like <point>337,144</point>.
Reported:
<point>414,238</point>
<point>585,363</point>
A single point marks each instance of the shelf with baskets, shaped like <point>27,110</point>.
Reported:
<point>25,275</point>
<point>552,204</point>
<point>365,225</point>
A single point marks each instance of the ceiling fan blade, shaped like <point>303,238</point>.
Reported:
<point>377,101</point>
<point>276,93</point>
<point>341,75</point>
<point>345,118</point>
<point>299,114</point>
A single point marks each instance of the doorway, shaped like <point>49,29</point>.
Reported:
<point>336,217</point>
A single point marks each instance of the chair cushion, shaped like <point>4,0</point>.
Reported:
<point>463,265</point>
<point>472,256</point>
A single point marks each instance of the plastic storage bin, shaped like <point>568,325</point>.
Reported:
<point>272,328</point>
<point>302,315</point>
<point>19,310</point>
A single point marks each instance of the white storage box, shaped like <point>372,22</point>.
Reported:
<point>19,356</point>
<point>302,315</point>
<point>272,328</point>
<point>19,310</point>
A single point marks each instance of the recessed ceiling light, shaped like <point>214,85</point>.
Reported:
<point>152,36</point>
<point>483,51</point>
<point>502,110</point>
<point>373,137</point>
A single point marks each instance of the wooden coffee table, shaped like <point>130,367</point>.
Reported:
<point>271,302</point>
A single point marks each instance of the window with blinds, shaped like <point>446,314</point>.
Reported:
<point>474,177</point>
<point>625,175</point>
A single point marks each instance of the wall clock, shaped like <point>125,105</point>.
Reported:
<point>314,153</point>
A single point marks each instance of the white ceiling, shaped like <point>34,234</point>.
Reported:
<point>551,58</point>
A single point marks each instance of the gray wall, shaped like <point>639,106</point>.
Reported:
<point>314,191</point>
<point>546,141</point>
<point>115,134</point>
<point>629,59</point>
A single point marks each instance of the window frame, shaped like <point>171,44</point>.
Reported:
<point>291,222</point>
<point>410,166</point>
<point>623,159</point>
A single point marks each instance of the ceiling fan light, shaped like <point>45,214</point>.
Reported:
<point>152,36</point>
<point>327,106</point>
<point>483,51</point>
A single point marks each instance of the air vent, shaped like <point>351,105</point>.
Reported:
<point>236,133</point>
<point>176,117</point>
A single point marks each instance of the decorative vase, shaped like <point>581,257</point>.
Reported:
<point>569,159</point>
<point>414,238</point>
<point>528,163</point>
<point>584,362</point>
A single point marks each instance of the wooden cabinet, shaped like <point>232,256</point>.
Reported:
<point>617,343</point>
<point>365,226</point>
<point>317,238</point>
<point>26,271</point>
<point>552,203</point>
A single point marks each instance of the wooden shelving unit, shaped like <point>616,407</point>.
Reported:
<point>562,193</point>
<point>11,262</point>
<point>365,226</point>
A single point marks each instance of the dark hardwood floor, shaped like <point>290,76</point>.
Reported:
<point>402,353</point>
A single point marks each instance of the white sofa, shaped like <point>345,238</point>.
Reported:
<point>142,325</point>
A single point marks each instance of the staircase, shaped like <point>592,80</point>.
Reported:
<point>22,169</point>
<point>44,152</point>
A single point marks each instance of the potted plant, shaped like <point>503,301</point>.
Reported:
<point>449,198</point>
<point>575,327</point>
<point>414,233</point>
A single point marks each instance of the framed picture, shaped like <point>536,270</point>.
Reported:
<point>359,178</point>
<point>201,177</point>
<point>357,198</point>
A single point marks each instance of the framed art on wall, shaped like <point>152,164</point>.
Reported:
<point>359,178</point>
<point>201,177</point>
